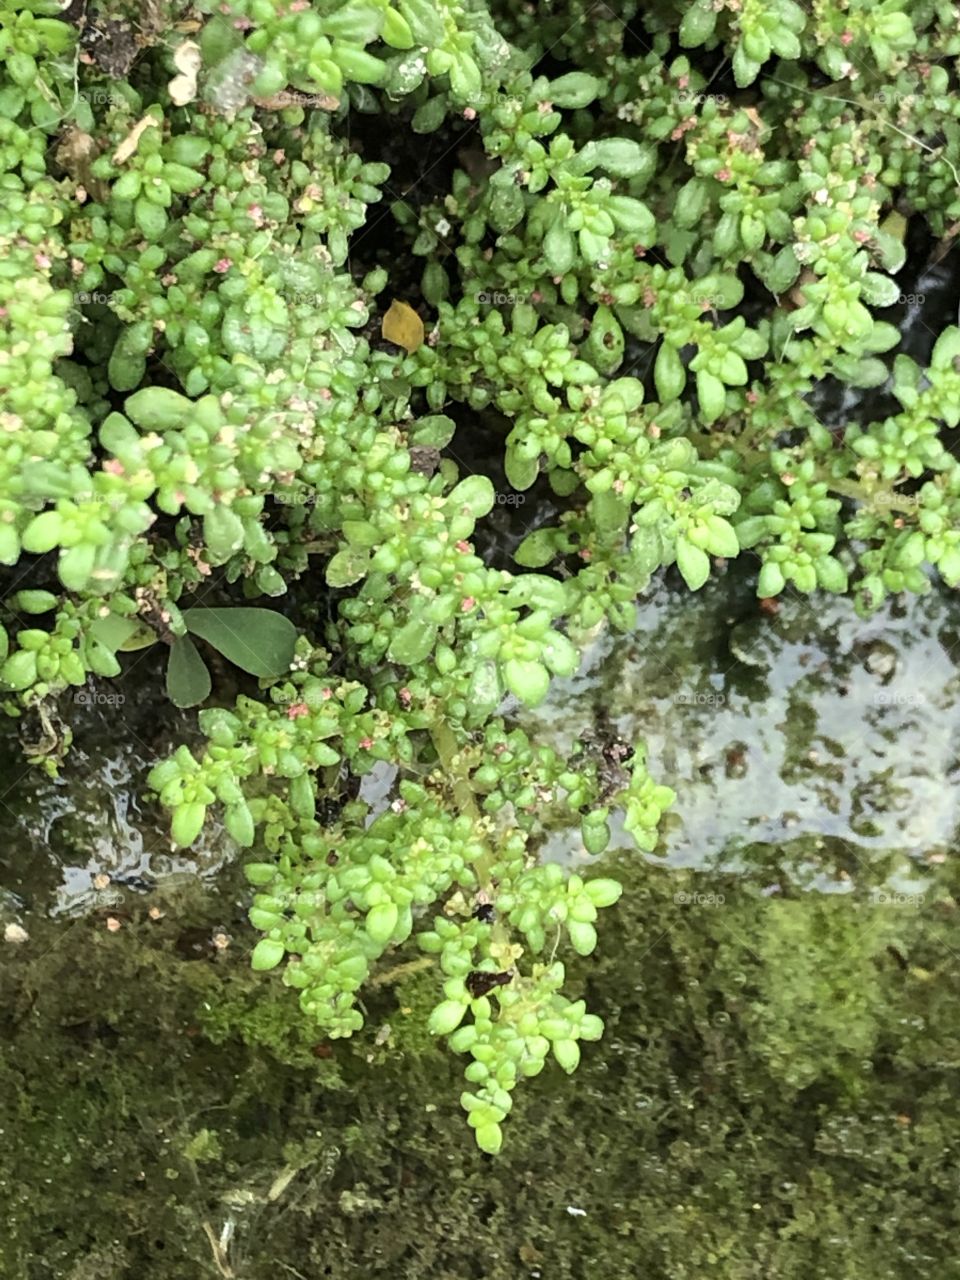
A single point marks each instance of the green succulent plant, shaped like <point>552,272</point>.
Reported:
<point>625,270</point>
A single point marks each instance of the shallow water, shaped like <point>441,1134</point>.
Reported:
<point>805,723</point>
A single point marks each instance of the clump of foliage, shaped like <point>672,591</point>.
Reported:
<point>634,279</point>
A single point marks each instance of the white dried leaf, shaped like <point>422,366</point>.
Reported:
<point>130,143</point>
<point>187,58</point>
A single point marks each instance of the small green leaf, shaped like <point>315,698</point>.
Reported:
<point>267,954</point>
<point>413,642</point>
<point>574,90</point>
<point>188,680</point>
<point>20,670</point>
<point>158,408</point>
<point>723,538</point>
<point>559,249</point>
<point>264,920</point>
<point>347,567</point>
<point>521,471</point>
<point>222,532</point>
<point>466,83</point>
<point>43,532</point>
<point>484,692</point>
<point>425,20</point>
<point>603,892</point>
<point>150,218</point>
<point>34,601</point>
<point>583,936</point>
<point>831,574</point>
<point>489,1137</point>
<point>668,373</point>
<point>771,581</point>
<point>622,157</point>
<point>693,563</point>
<point>567,1053</point>
<point>595,834</point>
<point>9,544</point>
<point>528,681</point>
<point>474,494</point>
<point>434,431</point>
<point>239,823</point>
<point>188,823</point>
<point>538,548</point>
<point>260,873</point>
<point>560,655</point>
<point>446,1017</point>
<point>698,24</point>
<point>76,565</point>
<point>381,921</point>
<point>712,396</point>
<point>396,30</point>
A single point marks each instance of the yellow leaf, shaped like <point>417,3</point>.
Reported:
<point>403,326</point>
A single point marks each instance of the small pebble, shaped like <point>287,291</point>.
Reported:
<point>15,933</point>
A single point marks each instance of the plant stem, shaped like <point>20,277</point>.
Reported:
<point>453,764</point>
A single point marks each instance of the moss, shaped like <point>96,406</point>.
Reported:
<point>773,1100</point>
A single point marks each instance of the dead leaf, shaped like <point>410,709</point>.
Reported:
<point>187,58</point>
<point>76,152</point>
<point>403,326</point>
<point>130,143</point>
<point>281,1182</point>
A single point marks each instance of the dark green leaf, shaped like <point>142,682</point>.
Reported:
<point>260,641</point>
<point>188,680</point>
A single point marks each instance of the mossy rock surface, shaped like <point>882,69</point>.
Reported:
<point>774,1099</point>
